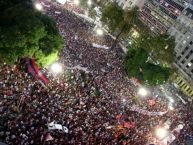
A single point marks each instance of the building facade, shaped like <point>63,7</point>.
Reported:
<point>159,15</point>
<point>126,4</point>
<point>182,30</point>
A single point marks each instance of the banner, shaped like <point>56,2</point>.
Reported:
<point>53,125</point>
<point>48,137</point>
<point>146,112</point>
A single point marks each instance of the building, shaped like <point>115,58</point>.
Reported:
<point>102,2</point>
<point>184,86</point>
<point>159,15</point>
<point>126,4</point>
<point>182,30</point>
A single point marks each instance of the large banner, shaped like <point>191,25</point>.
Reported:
<point>53,126</point>
<point>146,112</point>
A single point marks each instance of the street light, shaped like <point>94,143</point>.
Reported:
<point>38,6</point>
<point>161,133</point>
<point>61,1</point>
<point>89,2</point>
<point>56,68</point>
<point>189,64</point>
<point>142,91</point>
<point>99,31</point>
<point>76,2</point>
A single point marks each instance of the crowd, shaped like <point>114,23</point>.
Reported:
<point>87,103</point>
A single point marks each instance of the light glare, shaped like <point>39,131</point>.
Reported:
<point>99,31</point>
<point>89,2</point>
<point>61,1</point>
<point>161,133</point>
<point>56,68</point>
<point>38,6</point>
<point>76,2</point>
<point>142,92</point>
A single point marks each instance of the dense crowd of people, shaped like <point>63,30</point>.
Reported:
<point>89,103</point>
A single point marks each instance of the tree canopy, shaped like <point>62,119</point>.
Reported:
<point>26,32</point>
<point>112,16</point>
<point>118,21</point>
<point>137,65</point>
<point>160,47</point>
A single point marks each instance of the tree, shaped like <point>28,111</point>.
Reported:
<point>92,13</point>
<point>84,4</point>
<point>119,21</point>
<point>161,47</point>
<point>112,16</point>
<point>137,65</point>
<point>25,32</point>
<point>5,4</point>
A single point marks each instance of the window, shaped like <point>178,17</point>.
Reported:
<point>183,61</point>
<point>186,48</point>
<point>184,41</point>
<point>192,71</point>
<point>179,57</point>
<point>187,66</point>
<point>187,56</point>
<point>190,43</point>
<point>191,60</point>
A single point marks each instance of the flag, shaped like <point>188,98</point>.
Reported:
<point>48,137</point>
<point>40,75</point>
<point>151,102</point>
<point>129,125</point>
<point>35,71</point>
<point>118,116</point>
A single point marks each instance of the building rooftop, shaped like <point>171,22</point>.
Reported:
<point>189,12</point>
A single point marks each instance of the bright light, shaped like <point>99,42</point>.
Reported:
<point>124,100</point>
<point>142,92</point>
<point>61,1</point>
<point>171,100</point>
<point>171,107</point>
<point>189,64</point>
<point>89,2</point>
<point>161,133</point>
<point>56,68</point>
<point>76,2</point>
<point>99,31</point>
<point>38,6</point>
